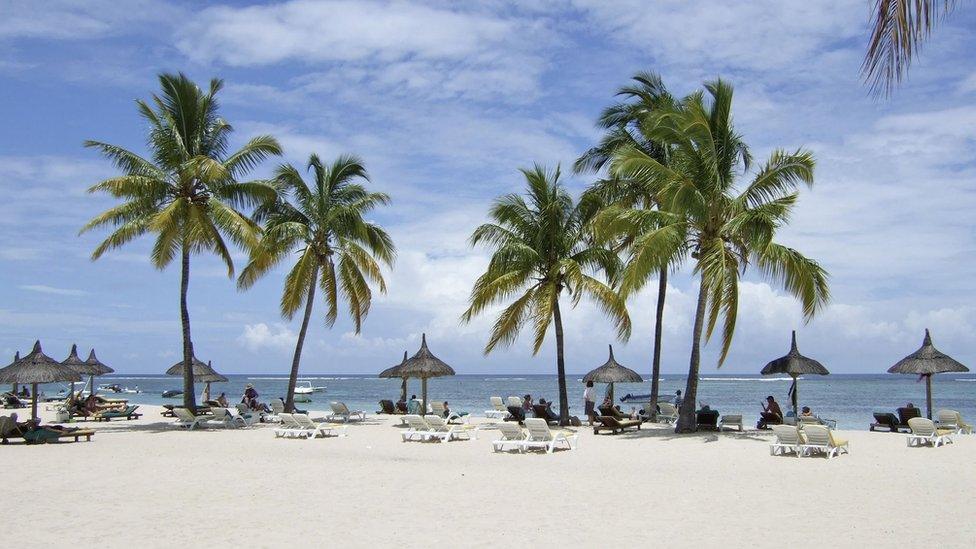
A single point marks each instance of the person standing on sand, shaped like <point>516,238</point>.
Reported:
<point>588,403</point>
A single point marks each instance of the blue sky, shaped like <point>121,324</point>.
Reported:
<point>444,102</point>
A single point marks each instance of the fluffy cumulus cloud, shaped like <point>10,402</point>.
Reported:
<point>445,102</point>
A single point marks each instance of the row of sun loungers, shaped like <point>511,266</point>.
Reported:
<point>221,417</point>
<point>536,435</point>
<point>432,427</point>
<point>303,426</point>
<point>806,440</point>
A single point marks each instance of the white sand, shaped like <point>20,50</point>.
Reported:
<point>143,482</point>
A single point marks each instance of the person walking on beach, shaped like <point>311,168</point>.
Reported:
<point>588,403</point>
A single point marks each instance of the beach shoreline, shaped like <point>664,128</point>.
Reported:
<point>145,482</point>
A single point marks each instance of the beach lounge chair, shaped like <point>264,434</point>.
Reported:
<point>668,413</point>
<point>905,414</point>
<point>819,438</point>
<point>512,435</point>
<point>342,412</point>
<point>514,401</point>
<point>413,407</point>
<point>186,420</point>
<point>47,434</point>
<point>290,428</point>
<point>951,419</point>
<point>613,412</point>
<point>417,429</point>
<point>815,420</point>
<point>222,417</point>
<point>787,440</point>
<point>401,408</point>
<point>707,419</point>
<point>128,413</point>
<point>886,421</point>
<point>277,408</point>
<point>387,407</point>
<point>543,411</point>
<point>516,413</point>
<point>439,410</point>
<point>446,432</point>
<point>925,432</point>
<point>540,436</point>
<point>614,425</point>
<point>498,410</point>
<point>318,429</point>
<point>730,420</point>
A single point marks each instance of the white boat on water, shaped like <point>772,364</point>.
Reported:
<point>304,390</point>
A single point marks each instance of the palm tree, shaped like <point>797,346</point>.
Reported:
<point>336,247</point>
<point>705,214</point>
<point>542,248</point>
<point>900,27</point>
<point>623,124</point>
<point>187,192</point>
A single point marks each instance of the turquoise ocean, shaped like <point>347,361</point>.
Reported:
<point>850,399</point>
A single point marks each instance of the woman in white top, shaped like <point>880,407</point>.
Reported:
<point>588,402</point>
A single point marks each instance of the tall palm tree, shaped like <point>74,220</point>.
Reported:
<point>542,248</point>
<point>723,229</point>
<point>623,123</point>
<point>337,248</point>
<point>898,31</point>
<point>187,192</point>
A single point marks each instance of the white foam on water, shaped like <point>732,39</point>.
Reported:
<point>747,379</point>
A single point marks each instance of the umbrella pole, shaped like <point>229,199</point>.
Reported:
<point>796,399</point>
<point>611,394</point>
<point>423,408</point>
<point>34,402</point>
<point>91,384</point>
<point>928,395</point>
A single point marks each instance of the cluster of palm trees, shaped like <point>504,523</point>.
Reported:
<point>190,196</point>
<point>672,192</point>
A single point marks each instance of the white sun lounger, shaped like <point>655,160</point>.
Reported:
<point>222,417</point>
<point>540,436</point>
<point>318,429</point>
<point>787,440</point>
<point>186,420</point>
<point>290,428</point>
<point>417,429</point>
<point>498,411</point>
<point>821,439</point>
<point>514,401</point>
<point>951,419</point>
<point>925,432</point>
<point>730,420</point>
<point>668,413</point>
<point>439,410</point>
<point>512,435</point>
<point>342,412</point>
<point>446,432</point>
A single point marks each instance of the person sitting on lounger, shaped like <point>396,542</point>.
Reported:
<point>222,400</point>
<point>527,403</point>
<point>771,414</point>
<point>250,398</point>
<point>24,392</point>
<point>805,412</point>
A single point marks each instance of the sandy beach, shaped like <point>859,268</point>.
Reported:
<point>145,482</point>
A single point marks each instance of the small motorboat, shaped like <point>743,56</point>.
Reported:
<point>304,390</point>
<point>172,393</point>
<point>116,388</point>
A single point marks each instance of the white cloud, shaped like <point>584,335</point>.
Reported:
<point>260,336</point>
<point>52,290</point>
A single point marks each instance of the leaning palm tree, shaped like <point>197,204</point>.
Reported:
<point>623,122</point>
<point>542,248</point>
<point>723,229</point>
<point>187,192</point>
<point>323,225</point>
<point>898,31</point>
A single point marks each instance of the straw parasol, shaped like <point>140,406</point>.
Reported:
<point>794,365</point>
<point>202,373</point>
<point>612,372</point>
<point>74,362</point>
<point>424,365</point>
<point>394,372</point>
<point>36,368</point>
<point>95,367</point>
<point>924,363</point>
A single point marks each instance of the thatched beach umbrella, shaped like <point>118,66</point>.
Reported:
<point>74,362</point>
<point>612,372</point>
<point>424,365</point>
<point>395,372</point>
<point>36,368</point>
<point>794,365</point>
<point>202,373</point>
<point>924,363</point>
<point>94,367</point>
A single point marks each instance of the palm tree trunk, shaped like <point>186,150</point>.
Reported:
<point>189,399</point>
<point>662,290</point>
<point>293,376</point>
<point>687,422</point>
<point>561,366</point>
